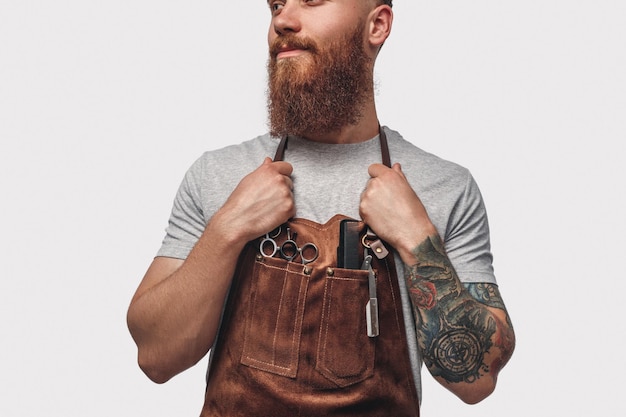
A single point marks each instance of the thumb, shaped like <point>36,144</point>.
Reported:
<point>398,169</point>
<point>267,160</point>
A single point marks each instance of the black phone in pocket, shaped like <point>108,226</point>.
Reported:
<point>349,241</point>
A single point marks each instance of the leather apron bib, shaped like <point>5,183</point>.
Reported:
<point>293,339</point>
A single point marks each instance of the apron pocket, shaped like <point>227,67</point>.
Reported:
<point>345,353</point>
<point>274,320</point>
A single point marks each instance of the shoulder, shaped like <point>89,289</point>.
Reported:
<point>218,171</point>
<point>423,167</point>
<point>234,161</point>
<point>210,179</point>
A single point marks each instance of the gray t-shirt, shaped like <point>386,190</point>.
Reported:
<point>328,180</point>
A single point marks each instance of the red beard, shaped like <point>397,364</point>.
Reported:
<point>322,90</point>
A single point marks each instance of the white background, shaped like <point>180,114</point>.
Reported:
<point>104,105</point>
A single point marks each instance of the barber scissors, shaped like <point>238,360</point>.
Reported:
<point>270,240</point>
<point>289,249</point>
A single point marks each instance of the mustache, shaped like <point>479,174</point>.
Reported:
<point>293,42</point>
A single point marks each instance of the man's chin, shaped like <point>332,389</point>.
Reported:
<point>294,67</point>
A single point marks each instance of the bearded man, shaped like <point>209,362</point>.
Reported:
<point>320,279</point>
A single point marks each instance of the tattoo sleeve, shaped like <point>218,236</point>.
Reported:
<point>454,323</point>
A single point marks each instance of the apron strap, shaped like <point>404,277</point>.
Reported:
<point>384,148</point>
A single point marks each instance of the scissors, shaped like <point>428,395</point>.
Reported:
<point>289,250</point>
<point>269,240</point>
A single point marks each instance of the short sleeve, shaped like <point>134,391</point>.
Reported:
<point>467,238</point>
<point>187,220</point>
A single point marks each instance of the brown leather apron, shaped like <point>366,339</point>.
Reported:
<point>293,339</point>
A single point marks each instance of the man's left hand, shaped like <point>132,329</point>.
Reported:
<point>393,210</point>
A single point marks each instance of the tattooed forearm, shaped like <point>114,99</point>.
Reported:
<point>487,294</point>
<point>455,332</point>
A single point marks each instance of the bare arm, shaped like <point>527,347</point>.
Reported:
<point>464,333</point>
<point>174,314</point>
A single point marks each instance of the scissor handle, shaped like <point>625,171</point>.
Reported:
<point>289,250</point>
<point>304,248</point>
<point>264,243</point>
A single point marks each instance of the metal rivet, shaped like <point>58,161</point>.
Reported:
<point>379,250</point>
<point>259,257</point>
<point>330,272</point>
<point>307,270</point>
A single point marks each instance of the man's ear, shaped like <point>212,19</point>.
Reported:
<point>380,21</point>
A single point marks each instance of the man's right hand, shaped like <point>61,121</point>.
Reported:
<point>262,201</point>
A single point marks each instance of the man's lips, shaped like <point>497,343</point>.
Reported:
<point>291,46</point>
<point>289,51</point>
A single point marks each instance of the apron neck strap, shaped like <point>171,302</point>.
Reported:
<point>384,148</point>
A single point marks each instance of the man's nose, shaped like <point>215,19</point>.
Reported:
<point>288,20</point>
